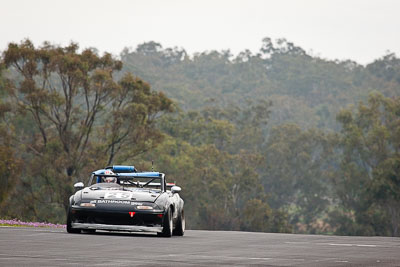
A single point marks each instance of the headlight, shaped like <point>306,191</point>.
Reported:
<point>88,205</point>
<point>144,207</point>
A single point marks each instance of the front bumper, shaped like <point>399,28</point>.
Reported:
<point>110,227</point>
<point>117,218</point>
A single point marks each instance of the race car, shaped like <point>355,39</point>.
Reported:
<point>118,198</point>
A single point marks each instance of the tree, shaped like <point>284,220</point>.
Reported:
<point>9,164</point>
<point>63,91</point>
<point>221,191</point>
<point>296,173</point>
<point>133,113</point>
<point>213,154</point>
<point>369,183</point>
<point>82,115</point>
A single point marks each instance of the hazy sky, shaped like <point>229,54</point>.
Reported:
<point>360,30</point>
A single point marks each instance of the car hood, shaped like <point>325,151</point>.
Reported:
<point>117,194</point>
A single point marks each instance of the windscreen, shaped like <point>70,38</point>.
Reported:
<point>153,183</point>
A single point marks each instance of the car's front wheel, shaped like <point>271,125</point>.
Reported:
<point>69,226</point>
<point>167,224</point>
<point>180,224</point>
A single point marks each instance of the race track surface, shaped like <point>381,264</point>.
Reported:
<point>54,247</point>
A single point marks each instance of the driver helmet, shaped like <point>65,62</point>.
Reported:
<point>109,179</point>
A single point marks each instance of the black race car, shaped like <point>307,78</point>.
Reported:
<point>119,198</point>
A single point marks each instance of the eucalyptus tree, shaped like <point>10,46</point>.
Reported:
<point>369,184</point>
<point>83,117</point>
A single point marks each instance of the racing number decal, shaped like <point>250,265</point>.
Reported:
<point>117,195</point>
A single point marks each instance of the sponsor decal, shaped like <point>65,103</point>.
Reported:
<point>132,213</point>
<point>113,201</point>
<point>117,195</point>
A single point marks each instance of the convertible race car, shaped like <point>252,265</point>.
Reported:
<point>119,198</point>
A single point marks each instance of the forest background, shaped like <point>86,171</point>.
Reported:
<point>277,141</point>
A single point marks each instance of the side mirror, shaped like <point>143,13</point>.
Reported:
<point>175,189</point>
<point>79,186</point>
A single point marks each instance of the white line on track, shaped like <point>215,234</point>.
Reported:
<point>349,245</point>
<point>23,256</point>
<point>232,257</point>
<point>297,242</point>
<point>335,244</point>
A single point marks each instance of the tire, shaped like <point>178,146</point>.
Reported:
<point>69,226</point>
<point>180,224</point>
<point>167,225</point>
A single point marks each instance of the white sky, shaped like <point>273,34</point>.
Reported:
<point>360,30</point>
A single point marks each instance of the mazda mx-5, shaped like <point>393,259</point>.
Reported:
<point>119,198</point>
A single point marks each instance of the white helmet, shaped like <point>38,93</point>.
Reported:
<point>110,179</point>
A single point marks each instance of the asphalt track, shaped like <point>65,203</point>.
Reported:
<point>20,246</point>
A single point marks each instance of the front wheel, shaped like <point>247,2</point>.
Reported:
<point>167,225</point>
<point>180,224</point>
<point>69,226</point>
